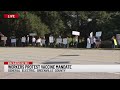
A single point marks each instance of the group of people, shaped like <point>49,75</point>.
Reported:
<point>61,42</point>
<point>35,41</point>
<point>42,41</point>
<point>93,42</point>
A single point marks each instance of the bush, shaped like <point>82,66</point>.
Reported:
<point>118,46</point>
<point>1,43</point>
<point>106,44</point>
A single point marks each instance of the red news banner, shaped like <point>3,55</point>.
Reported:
<point>11,16</point>
<point>17,63</point>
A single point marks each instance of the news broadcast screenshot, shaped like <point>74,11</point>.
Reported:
<point>59,45</point>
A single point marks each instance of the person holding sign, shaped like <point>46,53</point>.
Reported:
<point>65,42</point>
<point>33,41</point>
<point>43,42</point>
<point>51,40</point>
<point>98,42</point>
<point>92,40</point>
<point>59,41</point>
<point>13,42</point>
<point>4,40</point>
<point>38,42</point>
<point>75,40</point>
<point>23,40</point>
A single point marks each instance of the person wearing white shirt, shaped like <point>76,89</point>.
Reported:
<point>65,42</point>
<point>88,43</point>
<point>51,41</point>
<point>43,42</point>
<point>33,41</point>
<point>38,42</point>
<point>59,41</point>
<point>23,40</point>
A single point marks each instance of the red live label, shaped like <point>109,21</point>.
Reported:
<point>11,15</point>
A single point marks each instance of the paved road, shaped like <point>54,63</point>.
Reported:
<point>59,56</point>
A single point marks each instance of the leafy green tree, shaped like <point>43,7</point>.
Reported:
<point>35,24</point>
<point>53,20</point>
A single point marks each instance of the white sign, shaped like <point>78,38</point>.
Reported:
<point>118,38</point>
<point>33,34</point>
<point>59,40</point>
<point>23,39</point>
<point>43,41</point>
<point>75,33</point>
<point>98,34</point>
<point>64,40</point>
<point>4,38</point>
<point>51,40</point>
<point>13,40</point>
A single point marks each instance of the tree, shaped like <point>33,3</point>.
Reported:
<point>53,20</point>
<point>61,23</point>
<point>35,24</point>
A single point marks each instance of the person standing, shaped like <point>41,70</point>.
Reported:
<point>5,39</point>
<point>88,43</point>
<point>38,42</point>
<point>114,42</point>
<point>13,41</point>
<point>27,40</point>
<point>33,41</point>
<point>92,42</point>
<point>59,42</point>
<point>43,42</point>
<point>23,40</point>
<point>51,41</point>
<point>76,41</point>
<point>98,42</point>
<point>65,42</point>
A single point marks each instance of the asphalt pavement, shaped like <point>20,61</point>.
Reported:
<point>59,56</point>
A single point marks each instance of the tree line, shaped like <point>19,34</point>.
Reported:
<point>61,23</point>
